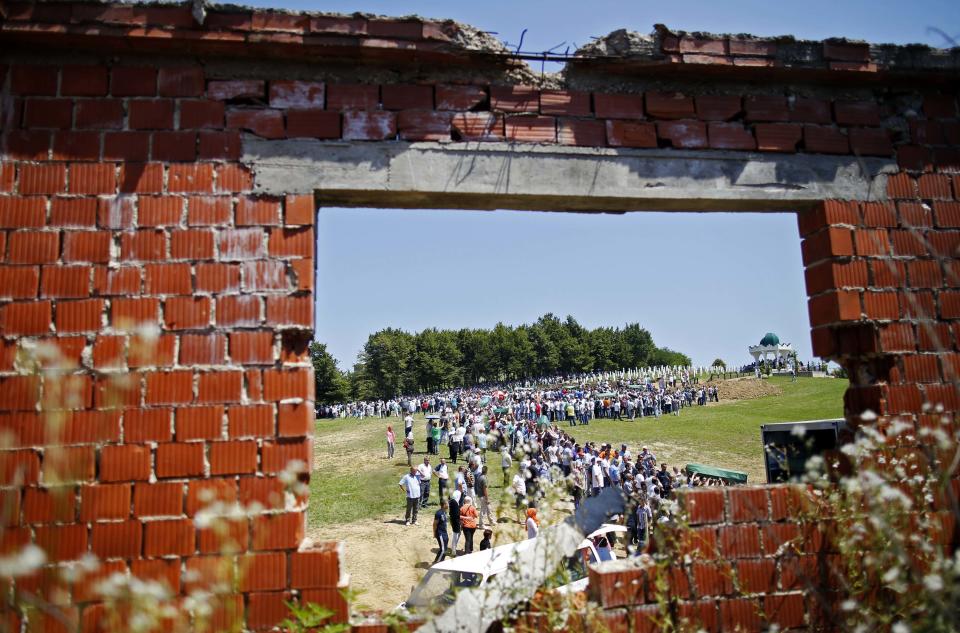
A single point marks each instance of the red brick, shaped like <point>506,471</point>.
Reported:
<point>298,210</point>
<point>879,214</point>
<point>139,178</point>
<point>151,114</point>
<point>174,387</point>
<point>565,103</point>
<point>296,94</point>
<point>831,307</point>
<point>940,106</point>
<point>202,349</point>
<point>218,145</point>
<point>925,274</point>
<point>79,316</point>
<point>180,460</point>
<point>304,272</point>
<point>756,576</point>
<point>290,311</point>
<point>631,134</point>
<point>200,114</point>
<point>239,310</point>
<point>785,610</point>
<point>100,114</point>
<point>829,275</point>
<point>174,146</point>
<point>740,614</point>
<point>232,458</point>
<point>205,492</point>
<point>730,136</point>
<point>19,467</point>
<point>186,81</point>
<point>846,51</point>
<point>223,386</point>
<point>193,245</point>
<point>144,245</point>
<point>926,132</point>
<point>291,242</point>
<point>282,531</point>
<point>147,425</point>
<point>26,319</point>
<point>824,139</point>
<point>56,504</point>
<point>191,178</point>
<point>160,210</point>
<point>424,125</point>
<point>19,282</point>
<point>718,107</point>
<point>236,244</point>
<point>870,141</point>
<point>406,97</point>
<point>663,105</point>
<point>683,134</point>
<point>209,210</point>
<point>267,610</point>
<point>901,186</point>
<point>904,399</point>
<point>235,89</point>
<point>72,212</point>
<point>369,126</point>
<point>163,571</point>
<point>881,305</point>
<point>356,97</point>
<point>278,455</point>
<point>258,212</point>
<point>950,304</point>
<point>48,113</point>
<point>34,80</point>
<point>857,113</point>
<point>748,504</point>
<point>918,304</point>
<point>777,137</point>
<point>807,110</point>
<point>295,420</point>
<point>263,572</point>
<point>871,242</point>
<point>133,82</point>
<point>921,367</point>
<point>42,179</point>
<point>218,278</point>
<point>582,133</point>
<point>946,214</point>
<point>317,568</point>
<point>281,384</point>
<point>62,542</point>
<point>251,421</point>
<point>934,187</point>
<point>124,463</point>
<point>198,423</point>
<point>766,108</point>
<point>23,212</point>
<point>76,146</point>
<point>456,98</point>
<point>233,178</point>
<point>65,281</point>
<point>514,99</point>
<point>315,123</point>
<point>703,506</point>
<point>83,81</point>
<point>185,313</point>
<point>165,538</point>
<point>914,158</point>
<point>908,242</point>
<point>158,499</point>
<point>265,123</point>
<point>88,178</point>
<point>252,347</point>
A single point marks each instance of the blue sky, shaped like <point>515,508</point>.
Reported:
<point>705,284</point>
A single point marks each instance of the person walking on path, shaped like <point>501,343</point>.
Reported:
<point>533,523</point>
<point>391,440</point>
<point>481,488</point>
<point>506,461</point>
<point>425,473</point>
<point>408,446</point>
<point>454,514</point>
<point>440,531</point>
<point>468,522</point>
<point>443,476</point>
<point>410,484</point>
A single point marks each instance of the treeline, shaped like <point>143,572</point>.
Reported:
<point>395,362</point>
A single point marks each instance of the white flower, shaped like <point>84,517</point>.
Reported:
<point>848,605</point>
<point>900,627</point>
<point>24,562</point>
<point>933,582</point>
<point>868,415</point>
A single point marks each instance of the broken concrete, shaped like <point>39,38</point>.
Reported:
<point>557,178</point>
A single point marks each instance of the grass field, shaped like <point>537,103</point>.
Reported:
<point>353,480</point>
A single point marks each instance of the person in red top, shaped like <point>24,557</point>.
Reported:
<point>468,522</point>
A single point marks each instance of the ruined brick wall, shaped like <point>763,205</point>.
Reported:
<point>123,202</point>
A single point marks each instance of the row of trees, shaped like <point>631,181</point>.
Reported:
<point>395,362</point>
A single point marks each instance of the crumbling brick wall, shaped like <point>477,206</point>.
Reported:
<point>123,202</point>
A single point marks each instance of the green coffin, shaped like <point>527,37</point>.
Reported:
<point>731,476</point>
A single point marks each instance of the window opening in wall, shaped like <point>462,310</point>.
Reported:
<point>598,323</point>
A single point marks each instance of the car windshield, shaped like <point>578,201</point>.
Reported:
<point>440,587</point>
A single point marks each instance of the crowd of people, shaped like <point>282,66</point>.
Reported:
<point>466,433</point>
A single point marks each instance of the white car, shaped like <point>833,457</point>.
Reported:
<point>439,586</point>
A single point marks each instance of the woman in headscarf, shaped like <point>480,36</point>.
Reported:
<point>468,522</point>
<point>454,513</point>
<point>533,523</point>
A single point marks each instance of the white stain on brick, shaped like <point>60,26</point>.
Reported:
<point>240,244</point>
<point>363,126</point>
<point>296,94</point>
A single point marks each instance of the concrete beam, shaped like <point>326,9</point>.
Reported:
<point>557,178</point>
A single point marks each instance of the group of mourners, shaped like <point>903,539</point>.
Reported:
<point>534,453</point>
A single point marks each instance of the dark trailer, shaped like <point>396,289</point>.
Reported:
<point>788,445</point>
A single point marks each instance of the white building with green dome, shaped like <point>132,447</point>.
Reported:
<point>771,348</point>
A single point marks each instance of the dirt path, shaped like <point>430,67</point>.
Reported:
<point>386,558</point>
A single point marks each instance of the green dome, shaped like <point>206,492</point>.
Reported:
<point>770,339</point>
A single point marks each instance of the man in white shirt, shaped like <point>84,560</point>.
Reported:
<point>410,484</point>
<point>596,477</point>
<point>424,473</point>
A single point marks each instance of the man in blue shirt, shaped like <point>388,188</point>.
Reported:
<point>410,484</point>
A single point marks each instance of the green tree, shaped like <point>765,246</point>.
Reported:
<point>436,360</point>
<point>332,385</point>
<point>387,359</point>
<point>718,362</point>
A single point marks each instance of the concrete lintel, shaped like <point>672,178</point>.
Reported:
<point>551,177</point>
